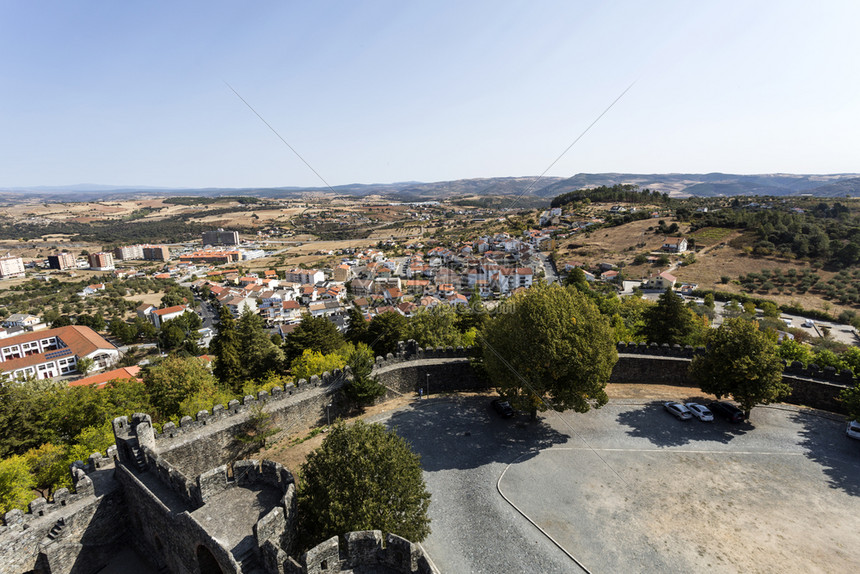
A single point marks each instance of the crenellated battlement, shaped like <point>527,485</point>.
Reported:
<point>62,498</point>
<point>363,550</point>
<point>274,400</point>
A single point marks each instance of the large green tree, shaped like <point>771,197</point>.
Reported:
<point>435,327</point>
<point>741,362</point>
<point>259,354</point>
<point>363,389</point>
<point>314,333</point>
<point>16,483</point>
<point>384,331</point>
<point>552,348</point>
<point>356,332</point>
<point>670,321</point>
<point>173,381</point>
<point>225,346</point>
<point>362,477</point>
<point>25,419</point>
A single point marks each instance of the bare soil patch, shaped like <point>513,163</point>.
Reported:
<point>613,244</point>
<point>151,298</point>
<point>292,456</point>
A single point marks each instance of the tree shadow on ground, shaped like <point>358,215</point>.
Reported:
<point>827,445</point>
<point>655,423</point>
<point>462,432</point>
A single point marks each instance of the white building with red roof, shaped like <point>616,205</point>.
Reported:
<point>161,316</point>
<point>54,352</point>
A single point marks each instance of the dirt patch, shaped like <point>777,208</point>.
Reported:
<point>292,450</point>
<point>151,298</point>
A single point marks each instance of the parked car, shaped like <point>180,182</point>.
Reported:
<point>809,323</point>
<point>701,412</point>
<point>727,410</point>
<point>853,430</point>
<point>503,407</point>
<point>678,410</point>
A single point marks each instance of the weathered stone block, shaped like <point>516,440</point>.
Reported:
<point>363,547</point>
<point>322,558</point>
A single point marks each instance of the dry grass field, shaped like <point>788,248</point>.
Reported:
<point>614,244</point>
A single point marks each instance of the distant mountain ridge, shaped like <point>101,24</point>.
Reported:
<point>718,184</point>
<point>675,184</point>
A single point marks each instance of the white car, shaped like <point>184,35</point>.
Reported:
<point>853,430</point>
<point>701,412</point>
<point>678,410</point>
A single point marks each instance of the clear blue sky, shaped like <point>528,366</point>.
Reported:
<point>133,93</point>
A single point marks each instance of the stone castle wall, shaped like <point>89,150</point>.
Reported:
<point>668,365</point>
<point>76,533</point>
<point>196,445</point>
<point>363,550</point>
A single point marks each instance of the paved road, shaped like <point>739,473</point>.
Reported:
<point>549,269</point>
<point>628,488</point>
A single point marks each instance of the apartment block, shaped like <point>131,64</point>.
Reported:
<point>11,267</point>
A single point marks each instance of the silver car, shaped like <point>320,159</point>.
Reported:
<point>701,412</point>
<point>678,410</point>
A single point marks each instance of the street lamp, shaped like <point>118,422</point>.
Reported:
<point>327,418</point>
<point>428,384</point>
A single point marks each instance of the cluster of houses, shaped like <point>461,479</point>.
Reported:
<point>493,266</point>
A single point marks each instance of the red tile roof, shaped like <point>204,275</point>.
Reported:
<point>169,310</point>
<point>102,379</point>
<point>79,339</point>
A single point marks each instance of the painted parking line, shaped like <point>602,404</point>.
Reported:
<point>677,450</point>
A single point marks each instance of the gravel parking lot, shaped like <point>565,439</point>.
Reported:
<point>628,488</point>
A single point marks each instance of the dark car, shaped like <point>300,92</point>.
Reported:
<point>503,407</point>
<point>728,411</point>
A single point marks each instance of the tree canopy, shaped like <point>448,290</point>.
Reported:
<point>314,333</point>
<point>173,381</point>
<point>669,321</point>
<point>742,362</point>
<point>550,347</point>
<point>362,477</point>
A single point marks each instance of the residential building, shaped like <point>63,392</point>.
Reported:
<point>144,310</point>
<point>101,261</point>
<point>156,253</point>
<point>161,316</point>
<point>24,320</point>
<point>92,289</point>
<point>62,261</point>
<point>660,282</point>
<point>342,272</point>
<point>128,252</point>
<point>11,266</point>
<point>207,256</point>
<point>54,352</point>
<point>238,305</point>
<point>674,244</point>
<point>305,276</point>
<point>220,237</point>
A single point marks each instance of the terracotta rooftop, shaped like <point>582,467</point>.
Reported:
<point>169,310</point>
<point>102,379</point>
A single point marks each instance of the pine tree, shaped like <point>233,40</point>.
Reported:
<point>669,321</point>
<point>228,362</point>
<point>259,354</point>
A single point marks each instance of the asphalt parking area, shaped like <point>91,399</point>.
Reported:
<point>628,488</point>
